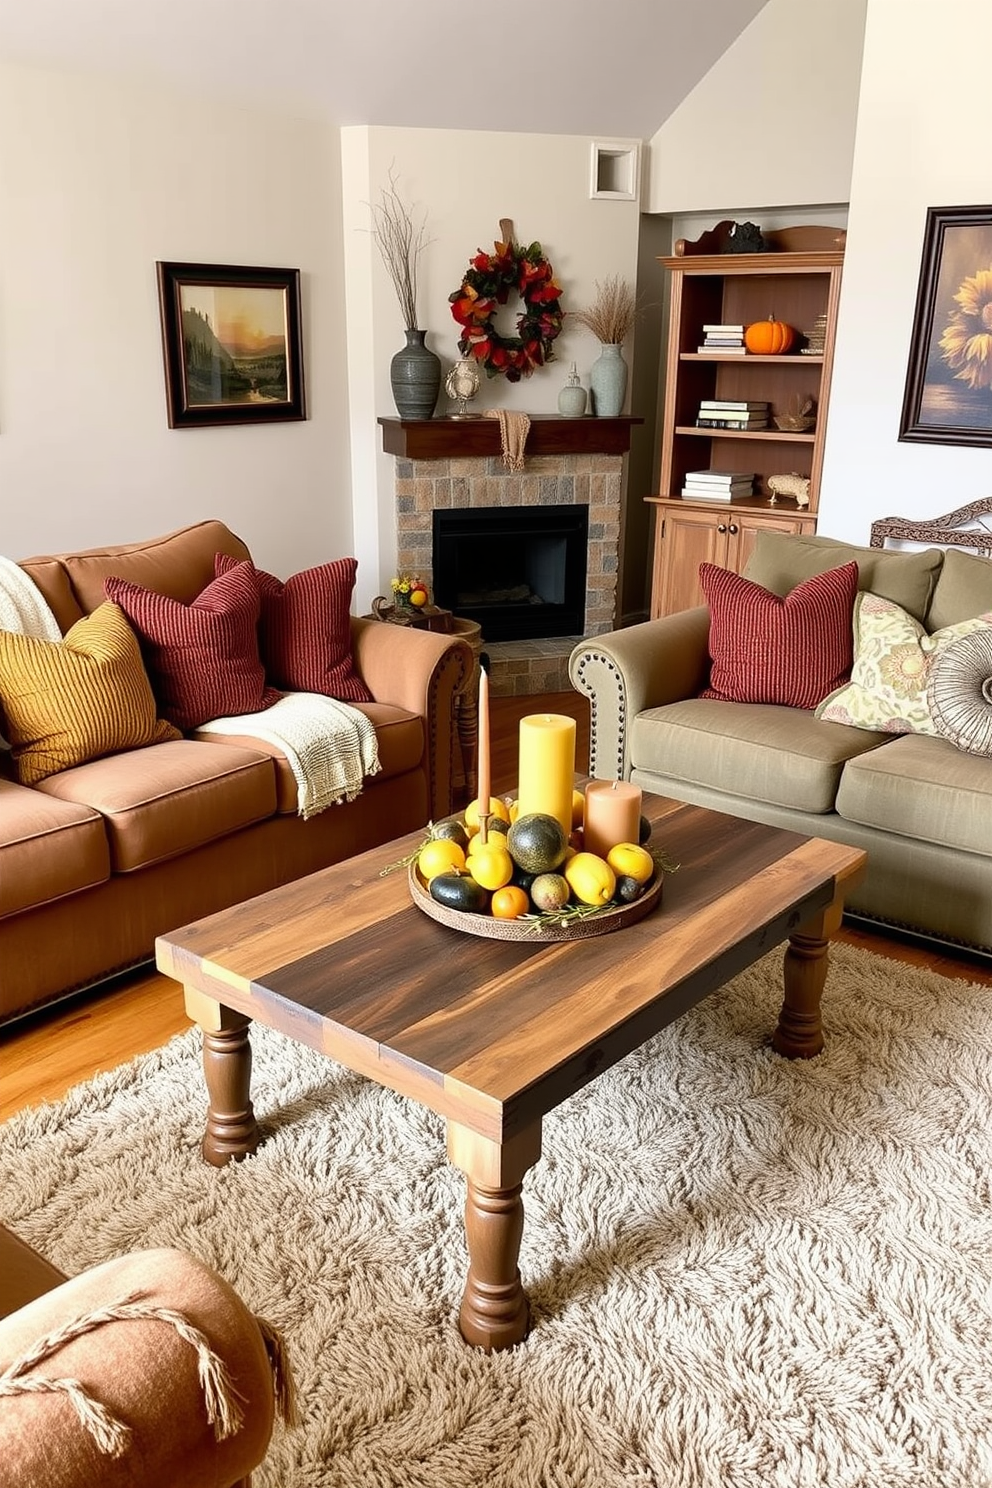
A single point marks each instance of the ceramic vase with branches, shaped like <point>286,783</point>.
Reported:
<point>415,370</point>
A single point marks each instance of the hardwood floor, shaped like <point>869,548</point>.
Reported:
<point>44,1056</point>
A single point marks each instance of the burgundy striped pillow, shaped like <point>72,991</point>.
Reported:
<point>792,651</point>
<point>305,629</point>
<point>202,658</point>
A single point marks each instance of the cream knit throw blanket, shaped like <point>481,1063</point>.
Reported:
<point>329,746</point>
<point>513,430</point>
<point>23,607</point>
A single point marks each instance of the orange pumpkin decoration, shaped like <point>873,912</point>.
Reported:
<point>769,337</point>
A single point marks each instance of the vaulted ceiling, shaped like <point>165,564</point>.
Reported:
<point>613,68</point>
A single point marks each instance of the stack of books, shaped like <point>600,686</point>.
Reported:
<point>728,338</point>
<point>726,413</point>
<point>717,485</point>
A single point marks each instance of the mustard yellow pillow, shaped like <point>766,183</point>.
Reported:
<point>69,701</point>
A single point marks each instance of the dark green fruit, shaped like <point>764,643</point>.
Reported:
<point>628,890</point>
<point>522,879</point>
<point>537,842</point>
<point>451,830</point>
<point>459,891</point>
<point>497,824</point>
<point>644,831</point>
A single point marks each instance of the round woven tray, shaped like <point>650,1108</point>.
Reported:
<point>550,929</point>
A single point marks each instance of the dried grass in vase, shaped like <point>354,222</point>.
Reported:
<point>612,314</point>
<point>400,240</point>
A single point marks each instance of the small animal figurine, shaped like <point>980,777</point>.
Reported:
<point>794,485</point>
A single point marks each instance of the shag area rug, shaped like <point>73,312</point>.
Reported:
<point>745,1272</point>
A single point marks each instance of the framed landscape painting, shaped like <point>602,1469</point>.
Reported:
<point>231,341</point>
<point>948,398</point>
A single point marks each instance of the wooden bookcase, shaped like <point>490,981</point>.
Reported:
<point>797,281</point>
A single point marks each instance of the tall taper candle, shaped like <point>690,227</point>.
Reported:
<point>546,776</point>
<point>483,769</point>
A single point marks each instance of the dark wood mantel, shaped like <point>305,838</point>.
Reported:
<point>450,438</point>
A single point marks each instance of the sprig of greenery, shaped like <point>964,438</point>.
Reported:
<point>565,916</point>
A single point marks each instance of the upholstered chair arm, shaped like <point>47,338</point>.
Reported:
<point>145,1369</point>
<point>626,671</point>
<point>422,671</point>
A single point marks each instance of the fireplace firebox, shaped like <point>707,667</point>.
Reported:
<point>519,572</point>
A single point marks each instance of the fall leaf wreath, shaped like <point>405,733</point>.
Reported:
<point>488,283</point>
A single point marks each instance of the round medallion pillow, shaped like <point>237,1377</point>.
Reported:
<point>959,692</point>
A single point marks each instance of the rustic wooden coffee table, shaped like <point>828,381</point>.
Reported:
<point>492,1034</point>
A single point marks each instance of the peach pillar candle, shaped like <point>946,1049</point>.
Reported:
<point>612,815</point>
<point>546,776</point>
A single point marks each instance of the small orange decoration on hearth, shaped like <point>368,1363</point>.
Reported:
<point>769,337</point>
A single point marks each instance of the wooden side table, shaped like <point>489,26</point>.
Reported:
<point>467,710</point>
<point>467,700</point>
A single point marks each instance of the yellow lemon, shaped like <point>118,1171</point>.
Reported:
<point>590,878</point>
<point>628,860</point>
<point>491,866</point>
<point>495,835</point>
<point>439,856</point>
<point>578,808</point>
<point>497,808</point>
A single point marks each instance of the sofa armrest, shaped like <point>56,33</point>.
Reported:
<point>113,1329</point>
<point>422,671</point>
<point>626,671</point>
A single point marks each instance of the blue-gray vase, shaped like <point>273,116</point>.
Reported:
<point>608,382</point>
<point>415,377</point>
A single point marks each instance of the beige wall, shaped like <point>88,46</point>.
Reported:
<point>773,121</point>
<point>923,135</point>
<point>98,180</point>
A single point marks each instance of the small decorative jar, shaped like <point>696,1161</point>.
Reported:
<point>572,398</point>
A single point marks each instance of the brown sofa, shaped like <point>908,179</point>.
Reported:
<point>99,859</point>
<point>138,1369</point>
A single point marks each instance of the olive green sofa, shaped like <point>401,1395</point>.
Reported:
<point>919,806</point>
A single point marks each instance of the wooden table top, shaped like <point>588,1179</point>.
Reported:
<point>489,1033</point>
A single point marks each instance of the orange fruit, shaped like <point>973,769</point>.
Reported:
<point>418,597</point>
<point>509,903</point>
<point>439,855</point>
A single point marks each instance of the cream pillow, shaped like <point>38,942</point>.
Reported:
<point>74,700</point>
<point>893,660</point>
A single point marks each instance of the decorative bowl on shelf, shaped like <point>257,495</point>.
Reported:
<point>792,423</point>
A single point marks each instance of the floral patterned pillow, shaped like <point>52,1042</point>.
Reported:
<point>893,659</point>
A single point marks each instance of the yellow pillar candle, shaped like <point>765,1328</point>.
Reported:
<point>612,815</point>
<point>546,774</point>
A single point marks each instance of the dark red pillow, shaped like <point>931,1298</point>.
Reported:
<point>202,658</point>
<point>305,629</point>
<point>765,649</point>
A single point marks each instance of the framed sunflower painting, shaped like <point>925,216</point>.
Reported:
<point>948,398</point>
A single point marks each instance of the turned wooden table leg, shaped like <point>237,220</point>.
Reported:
<point>799,1034</point>
<point>231,1131</point>
<point>494,1312</point>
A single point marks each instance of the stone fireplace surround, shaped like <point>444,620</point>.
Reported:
<point>454,464</point>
